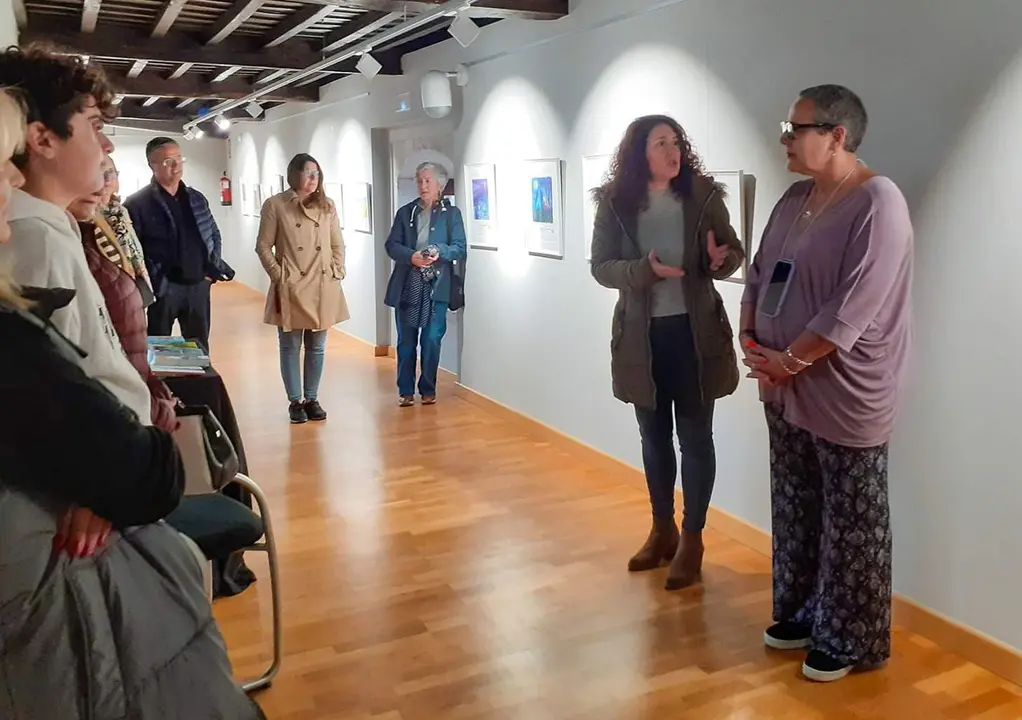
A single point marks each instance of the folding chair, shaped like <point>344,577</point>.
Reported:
<point>218,524</point>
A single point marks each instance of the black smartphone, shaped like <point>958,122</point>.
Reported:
<point>777,288</point>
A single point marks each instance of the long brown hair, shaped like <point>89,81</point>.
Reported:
<point>294,180</point>
<point>627,183</point>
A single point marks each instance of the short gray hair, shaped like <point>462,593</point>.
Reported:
<point>837,105</point>
<point>439,172</point>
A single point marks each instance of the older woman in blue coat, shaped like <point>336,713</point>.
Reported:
<point>427,238</point>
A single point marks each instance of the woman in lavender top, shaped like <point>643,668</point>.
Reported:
<point>825,327</point>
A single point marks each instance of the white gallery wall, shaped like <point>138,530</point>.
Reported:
<point>943,85</point>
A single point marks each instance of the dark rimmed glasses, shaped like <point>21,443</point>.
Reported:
<point>790,130</point>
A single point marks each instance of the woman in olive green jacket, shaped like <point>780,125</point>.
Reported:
<point>662,235</point>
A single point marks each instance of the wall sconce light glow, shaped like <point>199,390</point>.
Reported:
<point>222,122</point>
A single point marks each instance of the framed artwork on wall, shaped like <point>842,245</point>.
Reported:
<point>257,193</point>
<point>594,171</point>
<point>543,212</point>
<point>481,205</point>
<point>358,207</point>
<point>281,184</point>
<point>333,191</point>
<point>735,200</point>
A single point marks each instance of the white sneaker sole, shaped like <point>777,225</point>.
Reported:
<point>824,677</point>
<point>777,644</point>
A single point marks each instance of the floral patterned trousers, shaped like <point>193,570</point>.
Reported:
<point>831,542</point>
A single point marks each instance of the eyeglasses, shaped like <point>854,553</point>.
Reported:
<point>109,175</point>
<point>171,163</point>
<point>311,174</point>
<point>789,129</point>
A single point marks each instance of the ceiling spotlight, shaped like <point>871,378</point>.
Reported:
<point>254,109</point>
<point>222,122</point>
<point>368,66</point>
<point>464,30</point>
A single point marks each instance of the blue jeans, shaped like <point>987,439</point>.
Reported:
<point>679,406</point>
<point>409,338</point>
<point>290,365</point>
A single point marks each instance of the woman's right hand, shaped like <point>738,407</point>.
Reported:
<point>81,533</point>
<point>664,271</point>
<point>420,260</point>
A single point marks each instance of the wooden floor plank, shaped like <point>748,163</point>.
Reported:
<point>441,563</point>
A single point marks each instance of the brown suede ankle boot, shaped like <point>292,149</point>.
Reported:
<point>660,546</point>
<point>687,565</point>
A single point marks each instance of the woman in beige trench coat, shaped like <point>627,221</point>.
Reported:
<point>301,249</point>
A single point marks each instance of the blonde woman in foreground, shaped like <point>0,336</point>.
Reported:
<point>103,609</point>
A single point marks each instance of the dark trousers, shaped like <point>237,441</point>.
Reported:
<point>678,402</point>
<point>185,304</point>
<point>831,542</point>
<point>409,339</point>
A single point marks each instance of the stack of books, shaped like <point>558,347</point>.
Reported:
<point>176,356</point>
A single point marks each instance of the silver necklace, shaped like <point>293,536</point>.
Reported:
<point>808,213</point>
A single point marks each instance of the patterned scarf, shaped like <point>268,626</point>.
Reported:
<point>417,295</point>
<point>120,223</point>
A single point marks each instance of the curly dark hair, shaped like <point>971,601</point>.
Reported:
<point>627,182</point>
<point>54,85</point>
<point>294,179</point>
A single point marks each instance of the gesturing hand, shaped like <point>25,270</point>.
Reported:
<point>81,533</point>
<point>664,271</point>
<point>718,253</point>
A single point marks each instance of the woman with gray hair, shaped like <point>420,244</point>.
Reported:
<point>427,238</point>
<point>826,326</point>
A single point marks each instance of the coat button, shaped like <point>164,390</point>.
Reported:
<point>319,247</point>
<point>298,224</point>
<point>303,273</point>
<point>300,248</point>
<point>317,224</point>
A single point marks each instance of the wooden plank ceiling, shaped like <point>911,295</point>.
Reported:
<point>170,59</point>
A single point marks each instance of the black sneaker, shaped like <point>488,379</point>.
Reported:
<point>297,412</point>
<point>314,411</point>
<point>821,667</point>
<point>788,636</point>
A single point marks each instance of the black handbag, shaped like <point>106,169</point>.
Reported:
<point>217,449</point>
<point>457,277</point>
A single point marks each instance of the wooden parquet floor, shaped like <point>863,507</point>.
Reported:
<point>441,563</point>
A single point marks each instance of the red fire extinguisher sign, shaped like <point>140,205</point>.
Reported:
<point>225,189</point>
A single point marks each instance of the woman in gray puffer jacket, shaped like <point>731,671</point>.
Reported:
<point>119,630</point>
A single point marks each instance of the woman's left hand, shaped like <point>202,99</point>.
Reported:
<point>718,253</point>
<point>764,364</point>
<point>81,533</point>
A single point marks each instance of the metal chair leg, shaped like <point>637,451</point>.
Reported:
<point>270,548</point>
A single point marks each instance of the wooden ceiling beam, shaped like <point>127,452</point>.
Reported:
<point>133,109</point>
<point>298,22</point>
<point>351,32</point>
<point>193,86</point>
<point>126,44</point>
<point>168,17</point>
<point>498,9</point>
<point>232,19</point>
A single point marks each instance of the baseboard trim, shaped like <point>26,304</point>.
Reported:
<point>970,644</point>
<point>381,350</point>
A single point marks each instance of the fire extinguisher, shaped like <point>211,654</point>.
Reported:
<point>225,189</point>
